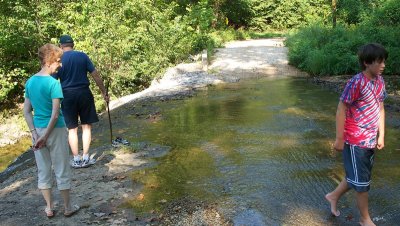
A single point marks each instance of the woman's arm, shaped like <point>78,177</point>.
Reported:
<point>29,119</point>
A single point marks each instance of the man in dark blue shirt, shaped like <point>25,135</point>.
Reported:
<point>78,98</point>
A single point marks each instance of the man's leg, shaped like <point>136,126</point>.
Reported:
<point>335,195</point>
<point>86,138</point>
<point>73,140</point>
<point>362,203</point>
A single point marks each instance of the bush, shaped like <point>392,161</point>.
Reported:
<point>11,84</point>
<point>387,15</point>
<point>287,14</point>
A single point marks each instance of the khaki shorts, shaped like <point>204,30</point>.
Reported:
<point>55,155</point>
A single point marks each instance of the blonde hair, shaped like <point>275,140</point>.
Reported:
<point>49,53</point>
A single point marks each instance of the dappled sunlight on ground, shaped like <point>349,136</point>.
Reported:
<point>16,185</point>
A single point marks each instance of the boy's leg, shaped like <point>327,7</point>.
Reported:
<point>358,165</point>
<point>335,195</point>
<point>362,203</point>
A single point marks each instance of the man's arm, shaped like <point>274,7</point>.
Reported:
<point>381,128</point>
<point>99,82</point>
<point>340,120</point>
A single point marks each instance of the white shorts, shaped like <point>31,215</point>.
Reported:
<point>55,155</point>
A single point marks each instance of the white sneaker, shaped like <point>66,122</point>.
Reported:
<point>76,164</point>
<point>88,162</point>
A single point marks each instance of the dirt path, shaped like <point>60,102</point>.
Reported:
<point>100,189</point>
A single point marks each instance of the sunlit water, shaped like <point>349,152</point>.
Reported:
<point>262,151</point>
<point>10,152</point>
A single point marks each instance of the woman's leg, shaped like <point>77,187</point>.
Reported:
<point>48,197</point>
<point>43,162</point>
<point>66,198</point>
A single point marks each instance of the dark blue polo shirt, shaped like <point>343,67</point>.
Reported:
<point>73,73</point>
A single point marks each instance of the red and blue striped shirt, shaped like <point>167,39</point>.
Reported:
<point>363,97</point>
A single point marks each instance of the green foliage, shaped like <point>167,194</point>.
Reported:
<point>238,12</point>
<point>11,84</point>
<point>200,16</point>
<point>133,41</point>
<point>387,15</point>
<point>284,14</point>
<point>329,51</point>
<point>24,27</point>
<point>351,11</point>
<point>320,50</point>
<point>130,41</point>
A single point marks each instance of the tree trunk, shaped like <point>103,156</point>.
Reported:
<point>334,10</point>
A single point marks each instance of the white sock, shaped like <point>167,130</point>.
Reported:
<point>85,156</point>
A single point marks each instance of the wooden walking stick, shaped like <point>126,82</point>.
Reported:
<point>108,111</point>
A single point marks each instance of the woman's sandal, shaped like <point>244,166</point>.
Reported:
<point>74,209</point>
<point>49,212</point>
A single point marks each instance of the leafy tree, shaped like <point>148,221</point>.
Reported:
<point>283,14</point>
<point>238,12</point>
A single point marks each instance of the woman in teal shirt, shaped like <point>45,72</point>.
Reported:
<point>43,96</point>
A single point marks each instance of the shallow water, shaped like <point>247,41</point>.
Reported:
<point>10,152</point>
<point>262,151</point>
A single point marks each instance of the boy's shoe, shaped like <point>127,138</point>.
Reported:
<point>88,162</point>
<point>76,164</point>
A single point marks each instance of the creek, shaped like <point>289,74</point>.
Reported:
<point>261,151</point>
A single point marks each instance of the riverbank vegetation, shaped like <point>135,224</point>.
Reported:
<point>133,41</point>
<point>325,49</point>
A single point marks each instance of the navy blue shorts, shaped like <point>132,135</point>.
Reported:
<point>78,103</point>
<point>358,164</point>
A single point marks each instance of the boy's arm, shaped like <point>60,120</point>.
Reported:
<point>381,128</point>
<point>340,119</point>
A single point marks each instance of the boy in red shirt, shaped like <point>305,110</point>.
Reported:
<point>360,125</point>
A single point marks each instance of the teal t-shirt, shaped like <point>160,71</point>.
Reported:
<point>40,90</point>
